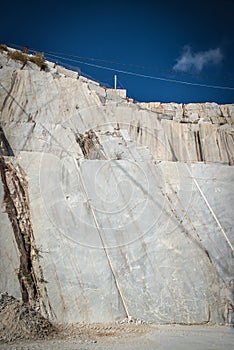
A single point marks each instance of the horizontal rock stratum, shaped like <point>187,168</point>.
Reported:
<point>111,207</point>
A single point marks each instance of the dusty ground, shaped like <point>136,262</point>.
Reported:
<point>21,327</point>
<point>133,337</point>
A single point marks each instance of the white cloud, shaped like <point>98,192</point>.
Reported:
<point>197,61</point>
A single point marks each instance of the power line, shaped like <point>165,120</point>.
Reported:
<point>128,72</point>
<point>130,65</point>
<point>137,66</point>
<point>144,75</point>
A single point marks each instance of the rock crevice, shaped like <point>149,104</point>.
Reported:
<point>17,206</point>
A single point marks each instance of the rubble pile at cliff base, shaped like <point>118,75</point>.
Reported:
<point>19,321</point>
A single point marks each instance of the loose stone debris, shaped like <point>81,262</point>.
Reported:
<point>19,321</point>
<point>131,320</point>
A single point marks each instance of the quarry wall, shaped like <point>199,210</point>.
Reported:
<point>111,207</point>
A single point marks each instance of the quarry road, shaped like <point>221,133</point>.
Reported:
<point>158,338</point>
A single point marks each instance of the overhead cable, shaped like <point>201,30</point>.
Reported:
<point>144,75</point>
<point>61,56</point>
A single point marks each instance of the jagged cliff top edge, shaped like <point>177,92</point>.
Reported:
<point>63,72</point>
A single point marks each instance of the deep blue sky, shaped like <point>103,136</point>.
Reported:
<point>195,35</point>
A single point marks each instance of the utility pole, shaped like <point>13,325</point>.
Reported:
<point>115,81</point>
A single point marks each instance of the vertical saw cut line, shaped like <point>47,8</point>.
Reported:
<point>210,209</point>
<point>102,241</point>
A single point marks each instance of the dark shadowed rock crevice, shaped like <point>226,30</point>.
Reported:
<point>17,206</point>
<point>5,148</point>
<point>90,145</point>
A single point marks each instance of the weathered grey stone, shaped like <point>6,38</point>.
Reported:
<point>156,228</point>
<point>3,58</point>
<point>81,109</point>
<point>115,95</point>
<point>101,91</point>
<point>130,204</point>
<point>66,72</point>
<point>119,92</point>
<point>9,254</point>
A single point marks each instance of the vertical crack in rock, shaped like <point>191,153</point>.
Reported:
<point>16,202</point>
<point>228,142</point>
<point>15,199</point>
<point>90,145</point>
<point>13,79</point>
<point>5,148</point>
<point>174,157</point>
<point>138,127</point>
<point>198,146</point>
<point>219,150</point>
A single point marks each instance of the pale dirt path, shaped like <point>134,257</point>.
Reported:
<point>142,337</point>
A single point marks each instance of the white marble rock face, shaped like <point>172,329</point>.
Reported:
<point>127,207</point>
